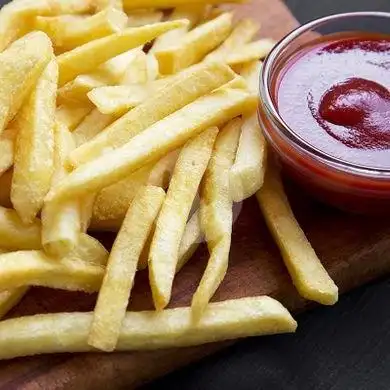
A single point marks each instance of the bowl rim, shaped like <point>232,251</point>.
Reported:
<point>284,130</point>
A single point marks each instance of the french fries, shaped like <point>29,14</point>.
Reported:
<point>33,167</point>
<point>171,223</point>
<point>164,4</point>
<point>251,52</point>
<point>216,208</point>
<point>308,274</point>
<point>61,222</point>
<point>193,13</point>
<point>143,17</point>
<point>104,4</point>
<point>85,58</point>
<point>10,298</point>
<point>71,115</point>
<point>242,33</point>
<point>68,32</point>
<point>146,330</point>
<point>20,67</point>
<point>35,268</point>
<point>184,89</point>
<point>7,145</point>
<point>122,264</point>
<point>15,235</point>
<point>154,142</point>
<point>192,48</point>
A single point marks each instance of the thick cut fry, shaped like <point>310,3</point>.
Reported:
<point>61,222</point>
<point>155,142</point>
<point>251,52</point>
<point>242,33</point>
<point>113,202</point>
<point>20,68</point>
<point>85,58</point>
<point>33,167</point>
<point>71,115</point>
<point>193,13</point>
<point>143,17</point>
<point>184,89</point>
<point>7,145</point>
<point>166,4</point>
<point>226,320</point>
<point>15,235</point>
<point>5,189</point>
<point>68,32</point>
<point>91,126</point>
<point>190,241</point>
<point>122,264</point>
<point>171,223</point>
<point>10,298</point>
<point>109,73</point>
<point>195,45</point>
<point>216,209</point>
<point>306,271</point>
<point>35,268</point>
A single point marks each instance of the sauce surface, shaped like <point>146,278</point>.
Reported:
<point>335,95</point>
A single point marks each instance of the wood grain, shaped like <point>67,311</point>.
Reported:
<point>355,250</point>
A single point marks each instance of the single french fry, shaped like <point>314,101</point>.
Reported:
<point>193,13</point>
<point>184,88</point>
<point>242,33</point>
<point>251,52</point>
<point>122,264</point>
<point>109,73</point>
<point>250,71</point>
<point>171,222</point>
<point>87,203</point>
<point>216,208</point>
<point>155,142</point>
<point>20,68</point>
<point>68,31</point>
<point>148,330</point>
<point>85,58</point>
<point>35,268</point>
<point>91,126</point>
<point>103,4</point>
<point>10,298</point>
<point>143,17</point>
<point>7,145</point>
<point>190,241</point>
<point>61,222</point>
<point>71,115</point>
<point>192,48</point>
<point>166,4</point>
<point>119,99</point>
<point>90,251</point>
<point>15,235</point>
<point>307,273</point>
<point>33,166</point>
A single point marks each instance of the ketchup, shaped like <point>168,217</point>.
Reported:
<point>334,94</point>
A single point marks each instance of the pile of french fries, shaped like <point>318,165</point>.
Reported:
<point>138,117</point>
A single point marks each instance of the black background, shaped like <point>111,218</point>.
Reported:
<point>346,347</point>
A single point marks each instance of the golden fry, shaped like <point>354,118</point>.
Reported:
<point>71,115</point>
<point>171,223</point>
<point>122,264</point>
<point>192,48</point>
<point>7,145</point>
<point>143,17</point>
<point>15,235</point>
<point>10,298</point>
<point>21,66</point>
<point>185,87</point>
<point>166,4</point>
<point>155,142</point>
<point>216,209</point>
<point>147,330</point>
<point>251,52</point>
<point>61,222</point>
<point>68,31</point>
<point>103,4</point>
<point>85,58</point>
<point>308,274</point>
<point>34,150</point>
<point>193,13</point>
<point>242,33</point>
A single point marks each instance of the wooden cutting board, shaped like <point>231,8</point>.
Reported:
<point>354,249</point>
